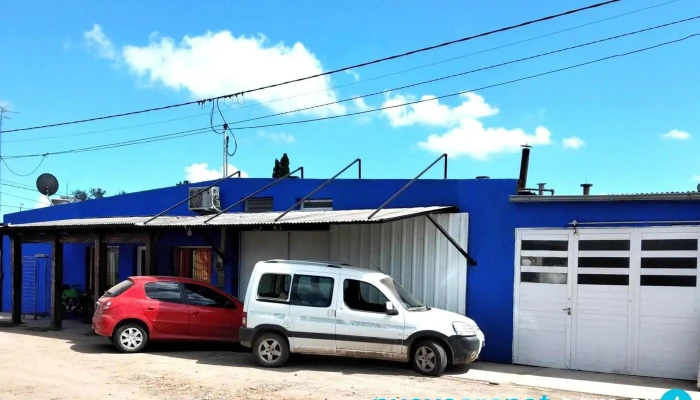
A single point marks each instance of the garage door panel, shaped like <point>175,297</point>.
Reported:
<point>255,247</point>
<point>602,300</point>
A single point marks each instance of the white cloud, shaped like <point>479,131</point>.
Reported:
<point>466,134</point>
<point>218,63</point>
<point>360,105</point>
<point>676,134</point>
<point>278,137</point>
<point>433,113</point>
<point>696,178</point>
<point>353,73</point>
<point>573,142</point>
<point>201,172</point>
<point>96,39</point>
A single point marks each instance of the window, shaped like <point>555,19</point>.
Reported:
<point>410,301</point>
<point>164,291</point>
<point>258,204</point>
<point>274,286</point>
<point>312,291</point>
<point>362,296</point>
<point>317,205</point>
<point>198,295</point>
<point>112,266</point>
<point>543,277</point>
<point>194,262</point>
<point>551,245</point>
<point>119,288</point>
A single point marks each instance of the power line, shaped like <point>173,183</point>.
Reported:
<point>360,65</point>
<point>475,89</point>
<point>19,197</point>
<point>20,207</point>
<point>207,129</point>
<point>361,81</point>
<point>21,175</point>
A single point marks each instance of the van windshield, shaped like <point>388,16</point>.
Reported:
<point>409,301</point>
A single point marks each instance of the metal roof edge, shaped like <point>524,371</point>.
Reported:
<point>605,198</point>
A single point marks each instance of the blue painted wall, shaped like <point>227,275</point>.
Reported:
<point>493,220</point>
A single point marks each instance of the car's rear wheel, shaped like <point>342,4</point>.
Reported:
<point>429,358</point>
<point>271,350</point>
<point>130,338</point>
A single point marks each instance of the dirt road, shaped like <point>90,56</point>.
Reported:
<point>71,364</point>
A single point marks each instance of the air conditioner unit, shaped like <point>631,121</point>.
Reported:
<point>205,202</point>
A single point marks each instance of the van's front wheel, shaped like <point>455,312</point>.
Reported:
<point>271,350</point>
<point>429,358</point>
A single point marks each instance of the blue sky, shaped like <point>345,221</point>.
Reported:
<point>77,60</point>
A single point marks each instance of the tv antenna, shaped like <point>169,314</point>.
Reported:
<point>47,185</point>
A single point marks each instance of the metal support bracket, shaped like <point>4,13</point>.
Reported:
<point>403,189</point>
<point>192,196</point>
<point>470,261</point>
<point>321,186</point>
<point>276,181</point>
<point>213,245</point>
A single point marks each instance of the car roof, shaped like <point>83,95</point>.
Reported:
<point>166,278</point>
<point>320,265</point>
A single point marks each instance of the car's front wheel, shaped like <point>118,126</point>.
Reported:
<point>429,358</point>
<point>271,350</point>
<point>130,338</point>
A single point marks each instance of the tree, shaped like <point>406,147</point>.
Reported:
<point>185,182</point>
<point>82,195</point>
<point>121,192</point>
<point>277,170</point>
<point>97,193</point>
<point>284,165</point>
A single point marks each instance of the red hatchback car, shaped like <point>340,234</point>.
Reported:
<point>144,308</point>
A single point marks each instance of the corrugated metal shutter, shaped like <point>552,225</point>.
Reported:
<point>414,252</point>
<point>258,204</point>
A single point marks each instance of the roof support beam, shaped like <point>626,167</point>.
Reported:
<point>56,283</point>
<point>276,181</point>
<point>403,189</point>
<point>470,261</point>
<point>324,184</point>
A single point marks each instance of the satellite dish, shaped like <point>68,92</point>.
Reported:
<point>47,184</point>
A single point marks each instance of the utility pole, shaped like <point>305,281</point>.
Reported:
<point>4,109</point>
<point>224,168</point>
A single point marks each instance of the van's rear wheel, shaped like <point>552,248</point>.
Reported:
<point>429,358</point>
<point>271,350</point>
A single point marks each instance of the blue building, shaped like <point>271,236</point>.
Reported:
<point>596,283</point>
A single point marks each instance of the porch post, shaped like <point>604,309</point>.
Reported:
<point>100,272</point>
<point>56,282</point>
<point>16,261</point>
<point>151,253</point>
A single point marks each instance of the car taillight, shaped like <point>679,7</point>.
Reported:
<point>245,319</point>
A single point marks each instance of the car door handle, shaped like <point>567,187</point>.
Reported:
<point>195,312</point>
<point>151,308</point>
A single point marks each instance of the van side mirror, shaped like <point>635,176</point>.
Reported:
<point>390,310</point>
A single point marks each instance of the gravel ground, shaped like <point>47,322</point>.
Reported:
<point>74,364</point>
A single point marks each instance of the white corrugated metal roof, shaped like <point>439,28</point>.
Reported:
<point>244,219</point>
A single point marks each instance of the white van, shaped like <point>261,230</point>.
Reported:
<point>314,307</point>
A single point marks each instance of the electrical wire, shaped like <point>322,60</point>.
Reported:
<point>21,175</point>
<point>361,81</point>
<point>475,89</point>
<point>20,207</point>
<point>23,186</point>
<point>202,130</point>
<point>19,197</point>
<point>356,66</point>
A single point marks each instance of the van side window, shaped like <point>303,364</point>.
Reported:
<point>274,287</point>
<point>312,291</point>
<point>363,296</point>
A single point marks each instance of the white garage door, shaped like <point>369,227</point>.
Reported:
<point>608,300</point>
<point>296,245</point>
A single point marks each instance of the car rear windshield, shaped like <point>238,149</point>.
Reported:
<point>119,288</point>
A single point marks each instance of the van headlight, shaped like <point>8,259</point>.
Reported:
<point>464,328</point>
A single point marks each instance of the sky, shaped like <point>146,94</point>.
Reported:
<point>627,125</point>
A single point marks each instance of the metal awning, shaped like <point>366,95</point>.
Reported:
<point>238,219</point>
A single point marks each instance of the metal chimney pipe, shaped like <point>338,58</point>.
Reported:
<point>540,187</point>
<point>586,188</point>
<point>524,165</point>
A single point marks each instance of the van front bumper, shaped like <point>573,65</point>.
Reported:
<point>465,349</point>
<point>246,336</point>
